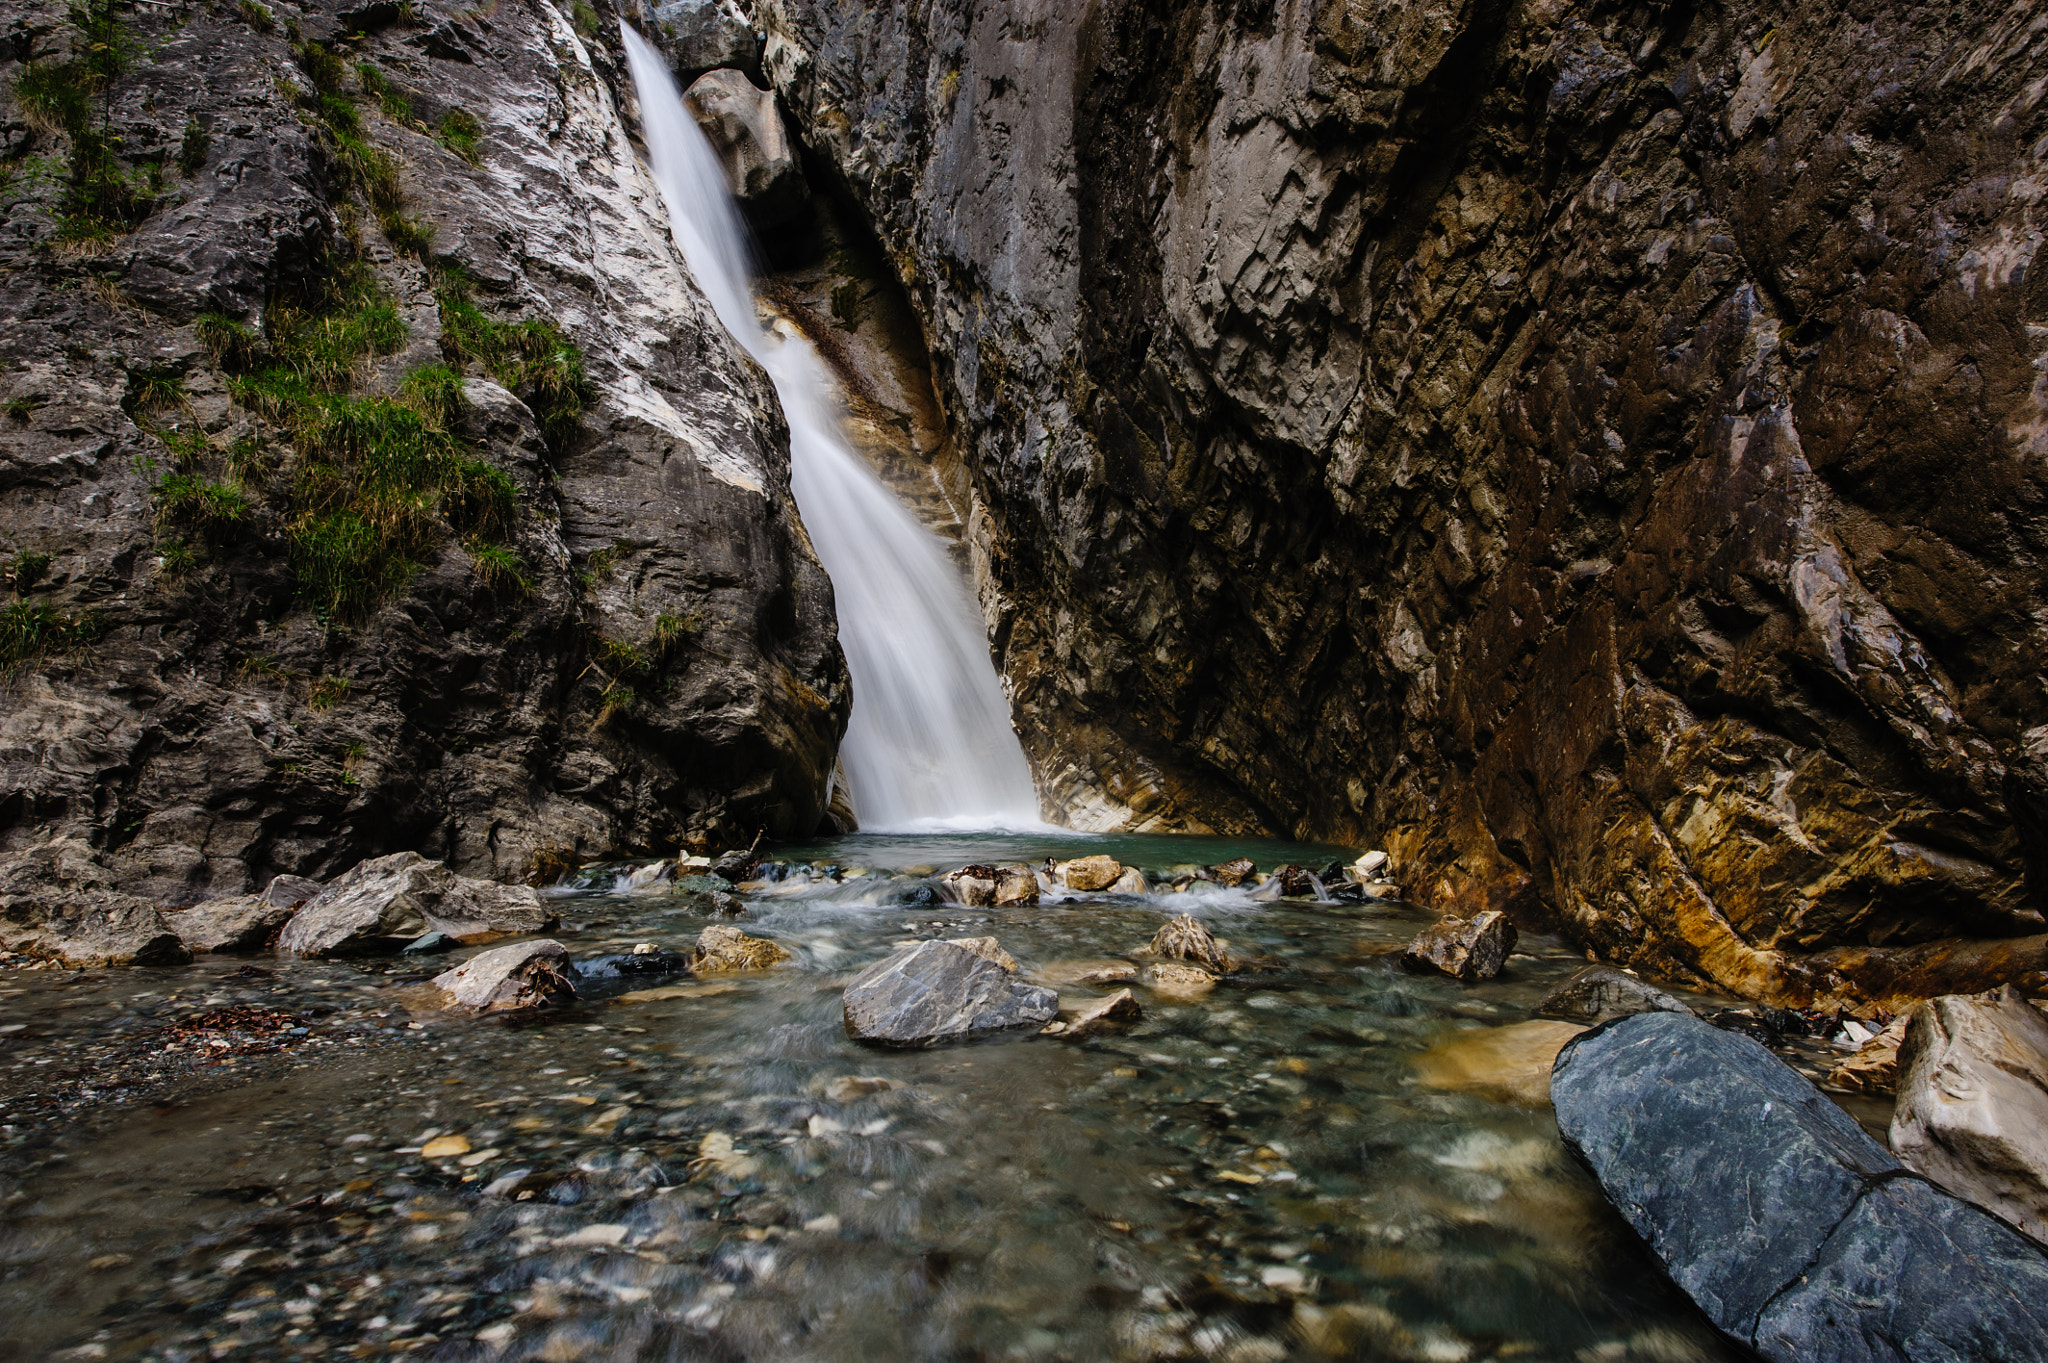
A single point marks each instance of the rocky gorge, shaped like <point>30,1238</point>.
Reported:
<point>786,678</point>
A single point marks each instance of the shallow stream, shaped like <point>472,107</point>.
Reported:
<point>710,1169</point>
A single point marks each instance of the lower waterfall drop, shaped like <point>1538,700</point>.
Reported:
<point>929,743</point>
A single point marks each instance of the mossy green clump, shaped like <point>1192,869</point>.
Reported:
<point>361,167</point>
<point>499,568</point>
<point>533,358</point>
<point>22,572</point>
<point>461,134</point>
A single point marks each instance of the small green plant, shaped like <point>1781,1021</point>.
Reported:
<point>153,390</point>
<point>176,558</point>
<point>328,692</point>
<point>393,101</point>
<point>30,631</point>
<point>587,21</point>
<point>498,568</point>
<point>848,306</point>
<point>232,344</point>
<point>264,666</point>
<point>435,392</point>
<point>22,408</point>
<point>602,561</point>
<point>672,631</point>
<point>620,658</point>
<point>613,701</point>
<point>192,151</point>
<point>24,571</point>
<point>188,499</point>
<point>461,134</point>
<point>257,15</point>
<point>101,197</point>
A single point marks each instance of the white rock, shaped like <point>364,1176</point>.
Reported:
<point>1972,1111</point>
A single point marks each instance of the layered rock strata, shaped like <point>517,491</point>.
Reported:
<point>1594,448</point>
<point>601,627</point>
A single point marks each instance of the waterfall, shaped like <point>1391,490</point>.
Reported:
<point>929,743</point>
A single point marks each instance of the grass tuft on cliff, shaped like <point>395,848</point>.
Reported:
<point>32,630</point>
<point>102,198</point>
<point>533,358</point>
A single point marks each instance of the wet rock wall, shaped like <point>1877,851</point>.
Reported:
<point>643,650</point>
<point>1593,447</point>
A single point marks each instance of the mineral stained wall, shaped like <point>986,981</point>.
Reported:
<point>1597,448</point>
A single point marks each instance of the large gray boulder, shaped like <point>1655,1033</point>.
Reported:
<point>1972,1108</point>
<point>1795,1232</point>
<point>941,991</point>
<point>244,922</point>
<point>1600,993</point>
<point>384,903</point>
<point>746,131</point>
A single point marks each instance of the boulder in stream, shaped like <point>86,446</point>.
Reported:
<point>1791,1228</point>
<point>1185,939</point>
<point>721,949</point>
<point>1016,888</point>
<point>975,886</point>
<point>1601,992</point>
<point>1467,949</point>
<point>1089,874</point>
<point>243,922</point>
<point>382,904</point>
<point>1233,872</point>
<point>941,991</point>
<point>509,978</point>
<point>1972,1112</point>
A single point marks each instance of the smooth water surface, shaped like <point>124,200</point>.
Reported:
<point>710,1169</point>
<point>929,743</point>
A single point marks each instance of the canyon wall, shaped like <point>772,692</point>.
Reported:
<point>372,474</point>
<point>1594,448</point>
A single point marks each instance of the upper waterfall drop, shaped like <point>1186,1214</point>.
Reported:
<point>929,743</point>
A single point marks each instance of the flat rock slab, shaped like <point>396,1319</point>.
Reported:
<point>386,902</point>
<point>1600,993</point>
<point>1973,1102</point>
<point>1795,1232</point>
<point>941,991</point>
<point>509,978</point>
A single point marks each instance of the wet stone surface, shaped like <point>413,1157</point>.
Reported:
<point>712,1169</point>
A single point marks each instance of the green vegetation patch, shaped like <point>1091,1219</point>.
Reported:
<point>32,630</point>
<point>101,197</point>
<point>533,358</point>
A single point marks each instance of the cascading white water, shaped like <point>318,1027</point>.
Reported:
<point>929,743</point>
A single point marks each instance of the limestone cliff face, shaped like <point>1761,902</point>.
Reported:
<point>1597,447</point>
<point>207,681</point>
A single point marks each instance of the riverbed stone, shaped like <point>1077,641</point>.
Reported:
<point>1131,882</point>
<point>1017,888</point>
<point>1234,872</point>
<point>384,903</point>
<point>1791,1228</point>
<point>1468,949</point>
<point>1090,874</point>
<point>974,886</point>
<point>1601,992</point>
<point>1508,1064</point>
<point>1972,1109</point>
<point>721,948</point>
<point>937,992</point>
<point>989,949</point>
<point>1874,1068</point>
<point>1175,980</point>
<point>1095,1017</point>
<point>1186,939</point>
<point>514,978</point>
